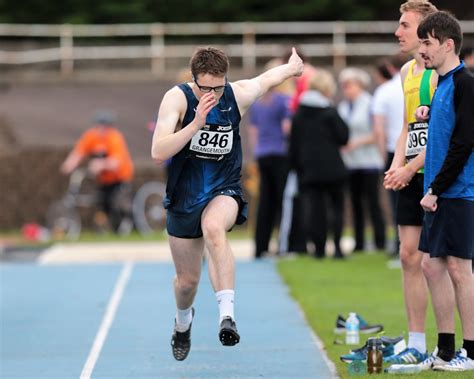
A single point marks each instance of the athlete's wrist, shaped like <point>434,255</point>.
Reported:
<point>412,170</point>
<point>431,192</point>
<point>198,124</point>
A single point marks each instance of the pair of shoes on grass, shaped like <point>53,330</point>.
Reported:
<point>181,341</point>
<point>460,362</point>
<point>390,346</point>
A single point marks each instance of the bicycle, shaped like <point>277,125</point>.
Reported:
<point>63,217</point>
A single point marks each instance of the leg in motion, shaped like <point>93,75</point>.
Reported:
<point>187,257</point>
<point>218,217</point>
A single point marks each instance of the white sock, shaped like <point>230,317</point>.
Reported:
<point>418,341</point>
<point>184,317</point>
<point>225,300</point>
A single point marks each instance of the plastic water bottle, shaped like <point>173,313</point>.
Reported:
<point>352,329</point>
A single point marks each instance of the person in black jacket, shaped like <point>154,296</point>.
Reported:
<point>317,134</point>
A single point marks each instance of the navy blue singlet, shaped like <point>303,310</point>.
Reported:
<point>211,162</point>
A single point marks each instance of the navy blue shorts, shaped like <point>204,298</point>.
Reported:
<point>188,225</point>
<point>450,230</point>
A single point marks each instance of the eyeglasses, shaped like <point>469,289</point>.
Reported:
<point>206,89</point>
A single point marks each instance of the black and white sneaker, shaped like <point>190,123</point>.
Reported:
<point>181,342</point>
<point>228,334</point>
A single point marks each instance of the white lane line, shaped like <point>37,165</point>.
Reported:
<point>106,321</point>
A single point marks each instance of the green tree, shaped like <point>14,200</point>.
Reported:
<point>114,11</point>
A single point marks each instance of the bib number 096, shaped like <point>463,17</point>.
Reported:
<point>417,139</point>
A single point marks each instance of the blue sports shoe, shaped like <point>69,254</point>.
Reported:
<point>409,356</point>
<point>364,326</point>
<point>389,347</point>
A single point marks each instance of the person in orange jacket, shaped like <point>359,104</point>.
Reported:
<point>111,165</point>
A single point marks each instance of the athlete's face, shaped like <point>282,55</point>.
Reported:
<point>205,83</point>
<point>406,32</point>
<point>433,52</point>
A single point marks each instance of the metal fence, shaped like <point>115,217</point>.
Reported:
<point>160,43</point>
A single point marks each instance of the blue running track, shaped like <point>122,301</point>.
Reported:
<point>53,319</point>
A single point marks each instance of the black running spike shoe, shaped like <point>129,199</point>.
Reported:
<point>228,334</point>
<point>181,342</point>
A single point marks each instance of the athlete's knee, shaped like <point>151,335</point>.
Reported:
<point>186,284</point>
<point>457,273</point>
<point>410,258</point>
<point>212,229</point>
<point>431,270</point>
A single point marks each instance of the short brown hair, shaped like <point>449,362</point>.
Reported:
<point>209,60</point>
<point>422,7</point>
<point>441,26</point>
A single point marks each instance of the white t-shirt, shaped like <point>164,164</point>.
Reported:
<point>388,102</point>
<point>358,117</point>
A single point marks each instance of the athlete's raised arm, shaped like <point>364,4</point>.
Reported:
<point>249,90</point>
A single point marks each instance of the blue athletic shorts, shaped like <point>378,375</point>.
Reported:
<point>450,230</point>
<point>188,225</point>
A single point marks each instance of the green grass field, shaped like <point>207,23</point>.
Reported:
<point>362,284</point>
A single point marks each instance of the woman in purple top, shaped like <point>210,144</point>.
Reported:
<point>269,126</point>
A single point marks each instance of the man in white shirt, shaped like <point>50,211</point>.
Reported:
<point>387,113</point>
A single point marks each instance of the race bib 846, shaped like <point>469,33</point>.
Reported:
<point>212,142</point>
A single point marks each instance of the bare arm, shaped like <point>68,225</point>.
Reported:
<point>399,174</point>
<point>247,91</point>
<point>419,162</point>
<point>167,140</point>
<point>398,162</point>
<point>72,161</point>
<point>379,133</point>
<point>399,156</point>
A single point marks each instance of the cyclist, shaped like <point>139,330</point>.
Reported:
<point>110,164</point>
